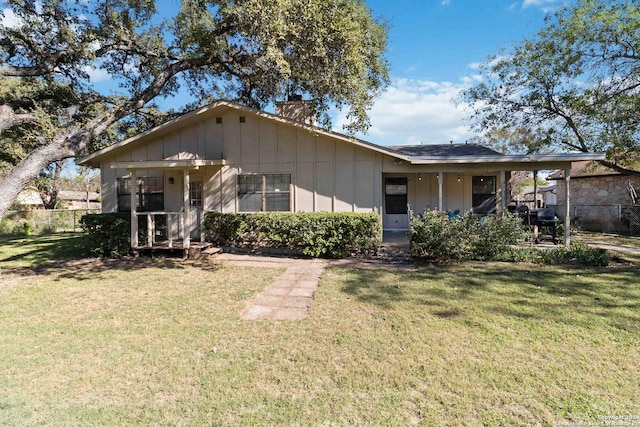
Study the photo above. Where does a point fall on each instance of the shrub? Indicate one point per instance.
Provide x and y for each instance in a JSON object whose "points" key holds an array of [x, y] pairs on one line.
{"points": [[437, 237], [108, 235], [331, 235]]}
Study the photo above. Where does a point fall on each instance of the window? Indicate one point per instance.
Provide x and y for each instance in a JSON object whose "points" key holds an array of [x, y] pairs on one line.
{"points": [[149, 191], [264, 193], [395, 195], [195, 194], [484, 194]]}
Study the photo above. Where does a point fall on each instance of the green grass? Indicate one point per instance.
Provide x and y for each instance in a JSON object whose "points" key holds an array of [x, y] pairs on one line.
{"points": [[161, 342]]}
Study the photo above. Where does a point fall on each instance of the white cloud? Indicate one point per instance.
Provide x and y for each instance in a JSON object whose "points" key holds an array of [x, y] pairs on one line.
{"points": [[96, 74], [9, 19], [545, 5], [445, 2], [418, 111]]}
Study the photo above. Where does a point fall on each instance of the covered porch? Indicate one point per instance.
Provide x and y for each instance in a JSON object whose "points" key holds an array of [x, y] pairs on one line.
{"points": [[465, 184], [179, 227]]}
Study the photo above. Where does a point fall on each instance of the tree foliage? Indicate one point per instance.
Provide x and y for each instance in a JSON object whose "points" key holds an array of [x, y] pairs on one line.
{"points": [[250, 51], [574, 85]]}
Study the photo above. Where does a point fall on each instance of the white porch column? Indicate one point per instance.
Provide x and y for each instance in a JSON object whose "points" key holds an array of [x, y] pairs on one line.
{"points": [[134, 216], [186, 209], [503, 191], [440, 187], [567, 217], [535, 201]]}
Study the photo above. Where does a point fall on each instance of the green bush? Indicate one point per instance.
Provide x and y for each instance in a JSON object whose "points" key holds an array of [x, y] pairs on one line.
{"points": [[576, 254], [437, 237], [330, 235], [107, 235]]}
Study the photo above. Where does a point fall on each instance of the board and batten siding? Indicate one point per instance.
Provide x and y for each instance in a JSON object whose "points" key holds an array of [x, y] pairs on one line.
{"points": [[327, 174]]}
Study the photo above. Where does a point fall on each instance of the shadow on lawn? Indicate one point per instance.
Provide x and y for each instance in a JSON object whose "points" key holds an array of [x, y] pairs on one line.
{"points": [[567, 294], [67, 256]]}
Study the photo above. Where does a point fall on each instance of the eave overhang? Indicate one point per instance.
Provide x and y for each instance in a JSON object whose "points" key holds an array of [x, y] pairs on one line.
{"points": [[168, 164]]}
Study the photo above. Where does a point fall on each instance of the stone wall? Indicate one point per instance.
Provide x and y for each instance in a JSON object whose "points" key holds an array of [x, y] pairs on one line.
{"points": [[595, 201]]}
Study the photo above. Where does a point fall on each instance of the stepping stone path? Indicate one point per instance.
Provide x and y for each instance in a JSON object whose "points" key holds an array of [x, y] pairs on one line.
{"points": [[290, 296]]}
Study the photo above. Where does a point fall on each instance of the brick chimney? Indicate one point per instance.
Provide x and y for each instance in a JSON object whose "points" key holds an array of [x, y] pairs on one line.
{"points": [[298, 110]]}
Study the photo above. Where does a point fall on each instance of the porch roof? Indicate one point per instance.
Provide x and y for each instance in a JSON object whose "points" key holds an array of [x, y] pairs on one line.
{"points": [[525, 162], [168, 164]]}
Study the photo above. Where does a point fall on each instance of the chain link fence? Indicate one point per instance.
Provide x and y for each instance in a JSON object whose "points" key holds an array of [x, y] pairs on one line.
{"points": [[619, 219], [43, 220]]}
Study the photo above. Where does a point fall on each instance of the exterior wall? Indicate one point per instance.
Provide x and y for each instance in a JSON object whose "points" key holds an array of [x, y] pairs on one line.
{"points": [[327, 174], [595, 201]]}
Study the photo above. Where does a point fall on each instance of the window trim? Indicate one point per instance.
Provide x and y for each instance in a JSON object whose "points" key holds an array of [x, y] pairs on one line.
{"points": [[396, 187], [488, 210], [264, 193], [142, 197]]}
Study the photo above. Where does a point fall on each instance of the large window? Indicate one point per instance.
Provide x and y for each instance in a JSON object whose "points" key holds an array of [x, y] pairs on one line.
{"points": [[264, 193], [149, 194], [484, 194], [395, 195]]}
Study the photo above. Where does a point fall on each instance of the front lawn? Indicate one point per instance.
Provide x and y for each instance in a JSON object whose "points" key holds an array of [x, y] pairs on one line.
{"points": [[161, 341]]}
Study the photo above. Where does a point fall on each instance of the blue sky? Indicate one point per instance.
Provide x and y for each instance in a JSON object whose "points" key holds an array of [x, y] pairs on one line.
{"points": [[434, 47]]}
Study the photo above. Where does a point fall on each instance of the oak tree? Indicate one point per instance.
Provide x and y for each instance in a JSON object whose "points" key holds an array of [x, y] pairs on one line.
{"points": [[250, 51], [574, 85]]}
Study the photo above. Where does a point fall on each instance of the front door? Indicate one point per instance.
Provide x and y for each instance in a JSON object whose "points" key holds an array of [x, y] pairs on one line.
{"points": [[396, 215], [195, 204]]}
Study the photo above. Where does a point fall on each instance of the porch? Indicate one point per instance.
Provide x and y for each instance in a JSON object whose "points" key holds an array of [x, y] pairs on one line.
{"points": [[162, 231]]}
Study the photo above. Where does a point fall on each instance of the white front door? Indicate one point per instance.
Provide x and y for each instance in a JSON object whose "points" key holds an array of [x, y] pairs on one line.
{"points": [[195, 204]]}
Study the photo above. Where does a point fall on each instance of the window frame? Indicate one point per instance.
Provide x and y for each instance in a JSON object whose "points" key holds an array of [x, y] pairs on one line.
{"points": [[249, 185], [147, 200], [396, 195], [479, 199]]}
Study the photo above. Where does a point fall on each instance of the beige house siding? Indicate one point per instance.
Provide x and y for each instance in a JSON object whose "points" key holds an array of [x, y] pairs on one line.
{"points": [[327, 174]]}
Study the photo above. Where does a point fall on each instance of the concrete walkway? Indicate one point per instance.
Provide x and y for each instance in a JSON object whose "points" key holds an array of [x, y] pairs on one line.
{"points": [[290, 296]]}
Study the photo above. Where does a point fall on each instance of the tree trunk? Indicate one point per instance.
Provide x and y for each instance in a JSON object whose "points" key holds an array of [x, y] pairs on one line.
{"points": [[13, 182]]}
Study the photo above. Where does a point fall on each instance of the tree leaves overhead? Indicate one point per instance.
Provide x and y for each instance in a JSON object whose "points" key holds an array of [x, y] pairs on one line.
{"points": [[251, 51], [575, 84]]}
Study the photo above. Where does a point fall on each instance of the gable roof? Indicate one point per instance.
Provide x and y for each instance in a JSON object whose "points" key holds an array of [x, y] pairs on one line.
{"points": [[415, 155], [210, 111]]}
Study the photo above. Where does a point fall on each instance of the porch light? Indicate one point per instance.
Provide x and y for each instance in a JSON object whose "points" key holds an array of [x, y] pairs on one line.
{"points": [[419, 177], [171, 180], [458, 178]]}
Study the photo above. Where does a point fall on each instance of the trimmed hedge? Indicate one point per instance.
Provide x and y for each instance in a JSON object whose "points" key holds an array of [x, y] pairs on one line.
{"points": [[329, 235], [107, 234]]}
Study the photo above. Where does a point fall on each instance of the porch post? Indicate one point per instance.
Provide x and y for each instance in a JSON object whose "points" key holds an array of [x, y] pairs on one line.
{"points": [[567, 217], [535, 201], [440, 186], [186, 209], [503, 191], [134, 216]]}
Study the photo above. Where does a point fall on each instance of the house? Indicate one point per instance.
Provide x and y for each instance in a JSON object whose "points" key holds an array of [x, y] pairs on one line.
{"points": [[544, 197], [29, 199], [230, 158], [600, 197], [72, 199]]}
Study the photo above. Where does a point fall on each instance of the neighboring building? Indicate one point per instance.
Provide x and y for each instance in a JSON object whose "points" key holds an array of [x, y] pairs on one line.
{"points": [[29, 199], [71, 199], [599, 196], [545, 197], [229, 158]]}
